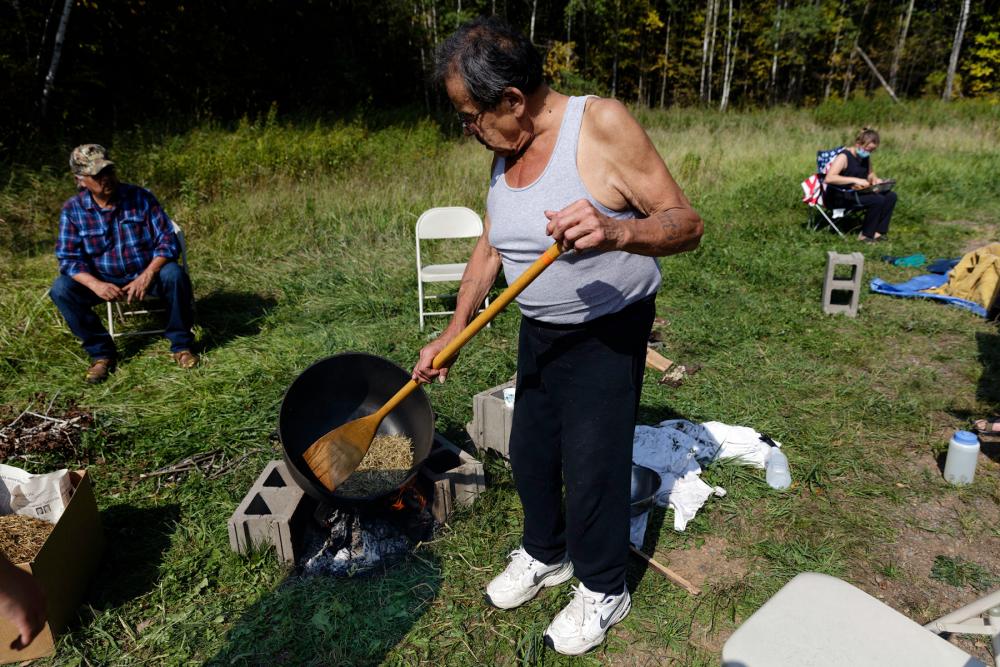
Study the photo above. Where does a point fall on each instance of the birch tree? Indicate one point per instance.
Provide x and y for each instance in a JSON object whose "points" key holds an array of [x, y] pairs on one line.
{"points": [[732, 46], [707, 49], [897, 53], [57, 48], [956, 47], [666, 62], [711, 50], [534, 11], [839, 20], [773, 83], [849, 74]]}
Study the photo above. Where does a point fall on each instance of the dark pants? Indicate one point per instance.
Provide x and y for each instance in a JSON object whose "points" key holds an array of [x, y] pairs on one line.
{"points": [[76, 303], [878, 209], [574, 420]]}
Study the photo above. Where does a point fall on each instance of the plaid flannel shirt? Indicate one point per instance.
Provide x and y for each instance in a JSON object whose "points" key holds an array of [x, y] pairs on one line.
{"points": [[118, 242]]}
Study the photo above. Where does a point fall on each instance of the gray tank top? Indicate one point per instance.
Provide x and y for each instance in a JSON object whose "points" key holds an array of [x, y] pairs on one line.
{"points": [[576, 287]]}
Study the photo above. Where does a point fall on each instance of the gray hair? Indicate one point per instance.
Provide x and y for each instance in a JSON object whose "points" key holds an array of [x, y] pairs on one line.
{"points": [[489, 55]]}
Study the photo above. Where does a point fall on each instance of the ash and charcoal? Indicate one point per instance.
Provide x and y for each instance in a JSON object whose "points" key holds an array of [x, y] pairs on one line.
{"points": [[348, 542]]}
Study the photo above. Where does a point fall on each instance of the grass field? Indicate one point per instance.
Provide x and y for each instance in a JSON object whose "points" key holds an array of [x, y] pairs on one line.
{"points": [[301, 245]]}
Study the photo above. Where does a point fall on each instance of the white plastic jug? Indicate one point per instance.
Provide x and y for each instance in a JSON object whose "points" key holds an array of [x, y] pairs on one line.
{"points": [[963, 453]]}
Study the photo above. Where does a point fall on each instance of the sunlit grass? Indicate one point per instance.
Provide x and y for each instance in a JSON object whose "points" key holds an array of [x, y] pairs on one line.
{"points": [[296, 255]]}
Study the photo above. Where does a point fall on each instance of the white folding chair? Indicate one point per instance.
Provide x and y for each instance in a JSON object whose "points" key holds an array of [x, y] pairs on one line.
{"points": [[123, 312], [817, 620], [444, 222]]}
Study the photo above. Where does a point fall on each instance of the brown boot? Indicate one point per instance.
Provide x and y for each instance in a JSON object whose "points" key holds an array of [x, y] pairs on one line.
{"points": [[99, 370], [186, 359]]}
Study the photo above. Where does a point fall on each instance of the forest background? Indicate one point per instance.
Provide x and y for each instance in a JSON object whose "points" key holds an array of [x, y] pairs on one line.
{"points": [[87, 69], [297, 142]]}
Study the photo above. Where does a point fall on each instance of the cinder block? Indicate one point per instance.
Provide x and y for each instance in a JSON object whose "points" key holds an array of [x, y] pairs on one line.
{"points": [[851, 286], [275, 511], [491, 420], [272, 513], [457, 477]]}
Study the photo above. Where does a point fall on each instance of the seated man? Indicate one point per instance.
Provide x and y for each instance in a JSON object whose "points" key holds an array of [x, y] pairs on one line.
{"points": [[116, 243]]}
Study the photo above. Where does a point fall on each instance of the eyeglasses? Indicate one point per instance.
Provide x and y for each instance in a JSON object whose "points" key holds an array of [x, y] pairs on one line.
{"points": [[467, 120]]}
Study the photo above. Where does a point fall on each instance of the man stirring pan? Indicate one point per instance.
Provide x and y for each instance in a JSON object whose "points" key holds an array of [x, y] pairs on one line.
{"points": [[579, 171]]}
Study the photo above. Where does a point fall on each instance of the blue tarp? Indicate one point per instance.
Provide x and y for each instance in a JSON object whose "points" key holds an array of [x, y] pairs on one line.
{"points": [[913, 287]]}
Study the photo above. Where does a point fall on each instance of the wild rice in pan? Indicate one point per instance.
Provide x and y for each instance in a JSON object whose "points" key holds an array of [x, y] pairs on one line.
{"points": [[384, 467]]}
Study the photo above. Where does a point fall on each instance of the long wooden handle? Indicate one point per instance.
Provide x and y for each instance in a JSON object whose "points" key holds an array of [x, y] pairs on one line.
{"points": [[476, 325], [501, 302], [667, 572]]}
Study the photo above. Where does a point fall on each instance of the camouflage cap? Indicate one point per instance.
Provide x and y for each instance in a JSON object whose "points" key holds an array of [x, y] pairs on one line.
{"points": [[89, 160]]}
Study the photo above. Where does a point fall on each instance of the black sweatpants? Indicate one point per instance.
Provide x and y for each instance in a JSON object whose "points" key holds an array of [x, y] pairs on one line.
{"points": [[574, 419], [878, 209]]}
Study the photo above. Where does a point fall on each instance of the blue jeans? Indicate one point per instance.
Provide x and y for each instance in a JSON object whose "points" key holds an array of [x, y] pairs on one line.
{"points": [[76, 303]]}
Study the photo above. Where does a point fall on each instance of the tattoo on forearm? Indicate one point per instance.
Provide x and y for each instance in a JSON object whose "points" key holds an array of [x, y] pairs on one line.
{"points": [[672, 225]]}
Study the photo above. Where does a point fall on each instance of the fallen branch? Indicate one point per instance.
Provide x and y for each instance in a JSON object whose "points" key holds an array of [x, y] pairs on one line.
{"points": [[212, 465], [55, 420], [878, 75]]}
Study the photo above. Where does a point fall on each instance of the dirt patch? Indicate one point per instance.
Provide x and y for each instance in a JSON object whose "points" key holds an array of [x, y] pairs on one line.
{"points": [[29, 431], [707, 563], [640, 654], [948, 526], [985, 234], [708, 567]]}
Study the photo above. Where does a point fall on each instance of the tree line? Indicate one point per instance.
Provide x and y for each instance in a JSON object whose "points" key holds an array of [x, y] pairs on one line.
{"points": [[74, 66]]}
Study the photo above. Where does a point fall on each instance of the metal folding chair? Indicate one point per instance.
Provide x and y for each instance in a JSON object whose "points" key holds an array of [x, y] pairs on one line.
{"points": [[124, 312], [813, 189], [444, 222]]}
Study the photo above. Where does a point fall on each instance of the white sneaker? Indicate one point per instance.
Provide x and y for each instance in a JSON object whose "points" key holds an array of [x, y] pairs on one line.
{"points": [[583, 623], [523, 578]]}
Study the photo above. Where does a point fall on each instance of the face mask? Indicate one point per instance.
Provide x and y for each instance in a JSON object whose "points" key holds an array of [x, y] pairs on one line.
{"points": [[862, 153]]}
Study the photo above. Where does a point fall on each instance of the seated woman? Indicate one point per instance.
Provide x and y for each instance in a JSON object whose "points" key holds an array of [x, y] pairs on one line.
{"points": [[851, 171]]}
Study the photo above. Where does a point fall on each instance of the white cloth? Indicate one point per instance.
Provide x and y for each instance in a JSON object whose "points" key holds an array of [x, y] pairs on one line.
{"points": [[675, 449]]}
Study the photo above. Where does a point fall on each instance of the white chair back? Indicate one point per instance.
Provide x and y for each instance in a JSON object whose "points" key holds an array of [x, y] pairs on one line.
{"points": [[443, 222], [182, 243], [449, 222]]}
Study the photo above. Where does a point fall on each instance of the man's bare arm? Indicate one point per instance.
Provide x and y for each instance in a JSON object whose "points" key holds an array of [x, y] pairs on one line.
{"points": [[622, 169], [479, 276]]}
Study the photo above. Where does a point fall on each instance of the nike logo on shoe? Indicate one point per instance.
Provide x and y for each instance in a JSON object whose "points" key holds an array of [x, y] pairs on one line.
{"points": [[607, 619], [539, 577]]}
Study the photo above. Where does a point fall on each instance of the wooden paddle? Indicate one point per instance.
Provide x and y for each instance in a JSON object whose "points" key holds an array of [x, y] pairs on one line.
{"points": [[334, 456]]}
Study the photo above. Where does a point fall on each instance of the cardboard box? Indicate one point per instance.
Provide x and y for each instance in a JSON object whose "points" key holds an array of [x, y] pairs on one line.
{"points": [[63, 568]]}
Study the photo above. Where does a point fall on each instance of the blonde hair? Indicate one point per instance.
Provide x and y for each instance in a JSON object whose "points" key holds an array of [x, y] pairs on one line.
{"points": [[866, 135]]}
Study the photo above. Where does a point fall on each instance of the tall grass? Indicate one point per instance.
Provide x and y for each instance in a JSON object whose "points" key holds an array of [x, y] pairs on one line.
{"points": [[313, 255]]}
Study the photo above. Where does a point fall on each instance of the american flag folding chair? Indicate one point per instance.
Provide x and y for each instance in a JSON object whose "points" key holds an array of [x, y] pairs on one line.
{"points": [[813, 189]]}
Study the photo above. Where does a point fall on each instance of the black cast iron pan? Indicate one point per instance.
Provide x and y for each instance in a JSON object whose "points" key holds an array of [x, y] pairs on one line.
{"points": [[338, 389]]}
